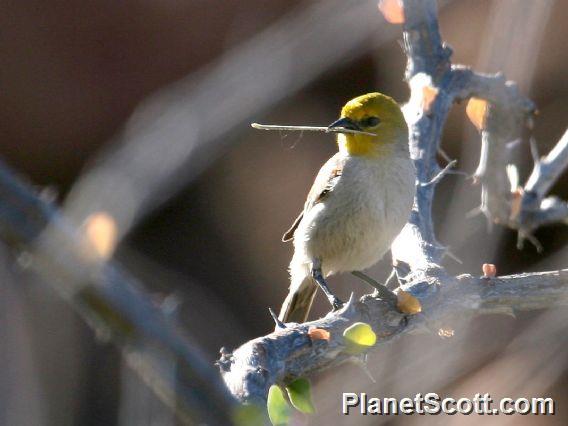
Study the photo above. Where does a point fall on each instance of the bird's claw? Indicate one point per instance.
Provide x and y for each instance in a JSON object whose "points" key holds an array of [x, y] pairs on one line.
{"points": [[336, 303]]}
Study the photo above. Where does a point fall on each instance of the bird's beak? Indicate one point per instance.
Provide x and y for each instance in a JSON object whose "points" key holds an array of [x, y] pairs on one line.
{"points": [[343, 123]]}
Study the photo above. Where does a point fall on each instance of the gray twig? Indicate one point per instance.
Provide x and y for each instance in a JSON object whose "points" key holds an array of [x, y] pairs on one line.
{"points": [[535, 208]]}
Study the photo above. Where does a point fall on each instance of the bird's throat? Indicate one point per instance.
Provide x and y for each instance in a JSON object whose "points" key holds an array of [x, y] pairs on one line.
{"points": [[363, 146]]}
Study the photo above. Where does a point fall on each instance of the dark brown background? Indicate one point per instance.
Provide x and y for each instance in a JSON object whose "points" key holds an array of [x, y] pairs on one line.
{"points": [[71, 73]]}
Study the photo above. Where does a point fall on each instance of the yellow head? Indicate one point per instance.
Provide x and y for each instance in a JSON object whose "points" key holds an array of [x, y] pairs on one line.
{"points": [[373, 113]]}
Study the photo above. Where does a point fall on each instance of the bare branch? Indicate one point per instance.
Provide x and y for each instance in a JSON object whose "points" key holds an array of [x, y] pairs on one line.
{"points": [[549, 169], [289, 353], [503, 200], [535, 209]]}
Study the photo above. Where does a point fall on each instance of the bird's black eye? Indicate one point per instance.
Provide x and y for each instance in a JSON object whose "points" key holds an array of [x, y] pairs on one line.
{"points": [[370, 121]]}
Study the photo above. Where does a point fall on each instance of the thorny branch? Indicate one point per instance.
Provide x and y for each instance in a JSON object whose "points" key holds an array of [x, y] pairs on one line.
{"points": [[536, 209], [503, 200], [435, 85]]}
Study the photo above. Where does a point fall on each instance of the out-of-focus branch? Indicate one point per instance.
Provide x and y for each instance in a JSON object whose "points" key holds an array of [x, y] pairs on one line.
{"points": [[536, 209], [112, 302], [503, 200], [435, 85], [176, 133], [502, 125], [548, 169], [504, 121]]}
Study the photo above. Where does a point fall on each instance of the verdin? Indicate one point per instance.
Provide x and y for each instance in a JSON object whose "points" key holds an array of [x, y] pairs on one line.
{"points": [[358, 204]]}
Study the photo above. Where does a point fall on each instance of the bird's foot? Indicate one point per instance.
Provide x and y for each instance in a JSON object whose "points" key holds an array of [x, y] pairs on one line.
{"points": [[336, 303]]}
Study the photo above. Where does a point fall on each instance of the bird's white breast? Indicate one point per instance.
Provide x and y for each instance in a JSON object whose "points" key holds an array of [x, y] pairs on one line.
{"points": [[355, 224]]}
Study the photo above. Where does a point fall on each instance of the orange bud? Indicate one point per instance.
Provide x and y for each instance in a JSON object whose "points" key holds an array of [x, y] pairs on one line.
{"points": [[489, 270], [407, 303], [516, 203], [476, 111], [318, 334], [429, 95], [392, 10]]}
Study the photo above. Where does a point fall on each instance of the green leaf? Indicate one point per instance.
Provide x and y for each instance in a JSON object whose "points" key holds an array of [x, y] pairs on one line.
{"points": [[359, 337], [299, 392], [249, 415], [278, 407]]}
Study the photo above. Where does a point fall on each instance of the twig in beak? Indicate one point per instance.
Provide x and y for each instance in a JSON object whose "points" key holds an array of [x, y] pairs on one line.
{"points": [[309, 128]]}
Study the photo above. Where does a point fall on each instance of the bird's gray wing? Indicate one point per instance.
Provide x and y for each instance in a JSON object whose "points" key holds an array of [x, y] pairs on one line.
{"points": [[324, 183]]}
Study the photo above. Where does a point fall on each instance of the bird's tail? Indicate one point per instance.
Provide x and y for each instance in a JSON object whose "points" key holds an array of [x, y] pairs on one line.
{"points": [[297, 304]]}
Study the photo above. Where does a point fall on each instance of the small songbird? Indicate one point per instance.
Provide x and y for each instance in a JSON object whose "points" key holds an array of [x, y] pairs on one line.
{"points": [[358, 204]]}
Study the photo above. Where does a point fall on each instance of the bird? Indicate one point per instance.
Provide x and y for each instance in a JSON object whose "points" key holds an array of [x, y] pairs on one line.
{"points": [[359, 202]]}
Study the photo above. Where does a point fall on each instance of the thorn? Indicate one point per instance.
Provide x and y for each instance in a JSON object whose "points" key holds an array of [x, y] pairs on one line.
{"points": [[447, 49], [536, 243], [531, 239], [392, 278], [444, 155], [440, 175], [401, 266], [534, 150], [402, 269], [530, 121], [475, 179], [279, 324], [513, 144], [513, 176], [474, 212], [349, 307], [49, 194], [226, 359], [381, 290], [489, 270], [452, 256], [520, 241], [171, 304]]}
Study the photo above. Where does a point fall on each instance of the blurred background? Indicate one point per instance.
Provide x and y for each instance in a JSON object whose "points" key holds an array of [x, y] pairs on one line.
{"points": [[141, 108]]}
